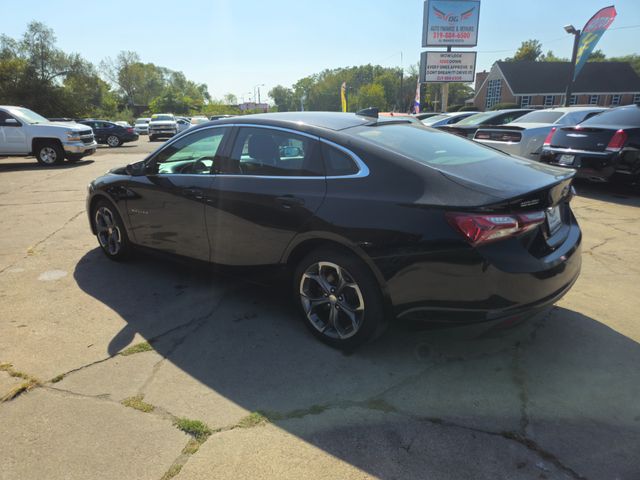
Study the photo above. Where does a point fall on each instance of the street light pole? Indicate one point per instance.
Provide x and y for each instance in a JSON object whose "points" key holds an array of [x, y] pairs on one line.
{"points": [[254, 92], [572, 68]]}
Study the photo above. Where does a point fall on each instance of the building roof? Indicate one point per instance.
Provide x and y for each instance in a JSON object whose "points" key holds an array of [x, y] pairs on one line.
{"points": [[531, 78]]}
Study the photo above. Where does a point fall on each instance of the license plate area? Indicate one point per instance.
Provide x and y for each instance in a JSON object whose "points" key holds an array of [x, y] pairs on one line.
{"points": [[566, 159], [554, 220]]}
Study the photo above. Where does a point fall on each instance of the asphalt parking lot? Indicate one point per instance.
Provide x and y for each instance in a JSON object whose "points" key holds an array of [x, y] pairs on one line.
{"points": [[154, 368]]}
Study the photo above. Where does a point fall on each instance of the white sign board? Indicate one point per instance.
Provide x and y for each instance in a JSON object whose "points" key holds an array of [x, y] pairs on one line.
{"points": [[444, 67], [450, 23]]}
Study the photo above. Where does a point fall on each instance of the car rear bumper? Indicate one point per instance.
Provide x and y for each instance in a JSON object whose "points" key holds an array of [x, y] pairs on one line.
{"points": [[163, 133], [599, 166], [488, 283]]}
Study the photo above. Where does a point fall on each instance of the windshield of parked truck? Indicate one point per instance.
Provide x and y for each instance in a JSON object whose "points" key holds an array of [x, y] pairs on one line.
{"points": [[142, 121], [27, 116], [162, 118]]}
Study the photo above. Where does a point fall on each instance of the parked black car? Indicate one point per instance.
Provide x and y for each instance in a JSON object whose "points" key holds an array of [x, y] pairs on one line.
{"points": [[601, 148], [374, 218], [467, 127], [110, 133]]}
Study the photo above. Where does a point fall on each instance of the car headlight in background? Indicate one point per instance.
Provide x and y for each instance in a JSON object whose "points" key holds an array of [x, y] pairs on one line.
{"points": [[73, 136]]}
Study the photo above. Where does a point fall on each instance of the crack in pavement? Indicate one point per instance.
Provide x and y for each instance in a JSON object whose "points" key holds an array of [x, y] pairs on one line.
{"points": [[37, 244]]}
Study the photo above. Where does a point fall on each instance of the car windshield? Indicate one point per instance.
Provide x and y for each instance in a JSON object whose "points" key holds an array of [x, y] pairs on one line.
{"points": [[540, 116], [477, 118], [157, 118], [142, 121], [432, 120], [27, 116], [623, 117], [436, 149]]}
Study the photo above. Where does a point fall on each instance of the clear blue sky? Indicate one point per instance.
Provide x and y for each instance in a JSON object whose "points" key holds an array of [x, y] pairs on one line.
{"points": [[233, 45]]}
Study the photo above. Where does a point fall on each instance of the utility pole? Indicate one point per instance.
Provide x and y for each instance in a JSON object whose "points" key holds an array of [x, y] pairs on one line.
{"points": [[400, 106]]}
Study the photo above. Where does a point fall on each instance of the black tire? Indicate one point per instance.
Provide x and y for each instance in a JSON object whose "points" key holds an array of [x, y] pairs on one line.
{"points": [[106, 231], [114, 141], [49, 153], [370, 320], [152, 138]]}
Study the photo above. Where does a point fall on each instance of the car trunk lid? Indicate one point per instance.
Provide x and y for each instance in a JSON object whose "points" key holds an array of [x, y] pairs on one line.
{"points": [[590, 138]]}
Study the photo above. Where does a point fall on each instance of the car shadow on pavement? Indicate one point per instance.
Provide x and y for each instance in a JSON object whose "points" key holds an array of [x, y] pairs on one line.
{"points": [[620, 193], [555, 395], [34, 165]]}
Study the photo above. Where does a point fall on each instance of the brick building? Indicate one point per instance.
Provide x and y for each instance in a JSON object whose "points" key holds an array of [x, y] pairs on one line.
{"points": [[543, 84]]}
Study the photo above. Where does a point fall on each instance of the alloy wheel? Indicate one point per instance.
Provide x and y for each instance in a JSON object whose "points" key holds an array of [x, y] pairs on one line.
{"points": [[108, 232], [113, 141], [48, 155], [332, 300]]}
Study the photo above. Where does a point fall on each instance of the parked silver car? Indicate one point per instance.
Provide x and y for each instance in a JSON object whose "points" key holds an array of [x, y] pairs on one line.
{"points": [[446, 118], [141, 126], [525, 136]]}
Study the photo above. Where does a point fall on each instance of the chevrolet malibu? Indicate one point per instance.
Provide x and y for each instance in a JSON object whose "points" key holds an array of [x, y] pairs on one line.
{"points": [[374, 218]]}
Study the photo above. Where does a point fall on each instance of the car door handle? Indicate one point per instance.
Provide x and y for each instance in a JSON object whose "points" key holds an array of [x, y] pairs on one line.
{"points": [[289, 201], [193, 192]]}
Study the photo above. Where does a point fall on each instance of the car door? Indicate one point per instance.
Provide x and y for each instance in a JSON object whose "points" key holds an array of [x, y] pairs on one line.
{"points": [[266, 188], [13, 135], [166, 205]]}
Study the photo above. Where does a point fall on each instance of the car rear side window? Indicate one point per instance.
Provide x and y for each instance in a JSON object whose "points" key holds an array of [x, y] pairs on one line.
{"points": [[270, 152], [337, 163]]}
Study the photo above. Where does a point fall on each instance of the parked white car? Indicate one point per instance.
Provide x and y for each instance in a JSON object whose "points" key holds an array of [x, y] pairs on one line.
{"points": [[141, 126], [198, 119], [24, 132], [525, 136], [162, 125], [183, 123]]}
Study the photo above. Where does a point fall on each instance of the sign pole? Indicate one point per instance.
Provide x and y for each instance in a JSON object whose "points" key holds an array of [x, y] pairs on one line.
{"points": [[572, 69]]}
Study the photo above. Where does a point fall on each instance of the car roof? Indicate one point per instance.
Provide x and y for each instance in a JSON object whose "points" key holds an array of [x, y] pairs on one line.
{"points": [[570, 109], [327, 120]]}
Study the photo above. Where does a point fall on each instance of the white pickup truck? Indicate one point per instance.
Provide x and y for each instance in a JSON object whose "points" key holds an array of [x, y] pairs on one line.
{"points": [[23, 132]]}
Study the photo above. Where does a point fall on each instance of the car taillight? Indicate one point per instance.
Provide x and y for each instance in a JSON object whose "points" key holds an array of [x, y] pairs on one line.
{"points": [[481, 229], [617, 141], [482, 135], [511, 137], [130, 130], [547, 141]]}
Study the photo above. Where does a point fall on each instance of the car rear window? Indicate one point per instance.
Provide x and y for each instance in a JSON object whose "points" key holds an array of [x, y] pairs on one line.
{"points": [[540, 117], [624, 117], [477, 118], [425, 146], [337, 163]]}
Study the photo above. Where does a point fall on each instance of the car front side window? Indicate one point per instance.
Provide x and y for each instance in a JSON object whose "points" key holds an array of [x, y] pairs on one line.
{"points": [[270, 152], [191, 155]]}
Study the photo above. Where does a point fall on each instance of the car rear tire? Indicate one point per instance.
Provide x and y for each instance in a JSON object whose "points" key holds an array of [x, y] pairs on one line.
{"points": [[110, 231], [114, 141], [49, 153], [339, 297], [151, 138]]}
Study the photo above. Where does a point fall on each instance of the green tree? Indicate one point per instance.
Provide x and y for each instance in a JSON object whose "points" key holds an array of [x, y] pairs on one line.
{"points": [[530, 50], [230, 99], [550, 57], [372, 95], [282, 97], [597, 56]]}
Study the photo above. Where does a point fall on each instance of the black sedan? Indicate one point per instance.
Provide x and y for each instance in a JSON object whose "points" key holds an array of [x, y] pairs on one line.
{"points": [[601, 148], [110, 133], [468, 126], [374, 218]]}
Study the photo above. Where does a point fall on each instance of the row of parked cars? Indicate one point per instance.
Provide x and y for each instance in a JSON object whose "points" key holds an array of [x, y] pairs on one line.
{"points": [[163, 125], [600, 143]]}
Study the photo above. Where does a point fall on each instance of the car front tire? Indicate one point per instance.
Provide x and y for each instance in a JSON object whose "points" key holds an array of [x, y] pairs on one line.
{"points": [[49, 153], [110, 231], [339, 297], [114, 141]]}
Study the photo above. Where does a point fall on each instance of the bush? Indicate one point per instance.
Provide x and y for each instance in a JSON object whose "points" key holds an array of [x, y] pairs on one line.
{"points": [[503, 106], [454, 108], [468, 108]]}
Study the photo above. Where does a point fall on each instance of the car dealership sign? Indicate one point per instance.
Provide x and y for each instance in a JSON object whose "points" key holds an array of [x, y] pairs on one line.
{"points": [[447, 67], [450, 23]]}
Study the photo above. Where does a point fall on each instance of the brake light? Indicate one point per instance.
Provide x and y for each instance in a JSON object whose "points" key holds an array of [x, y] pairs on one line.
{"points": [[547, 141], [482, 135], [481, 229], [617, 141], [130, 130]]}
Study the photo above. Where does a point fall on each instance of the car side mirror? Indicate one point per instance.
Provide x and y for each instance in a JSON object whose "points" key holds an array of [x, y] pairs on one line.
{"points": [[12, 122], [136, 169]]}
